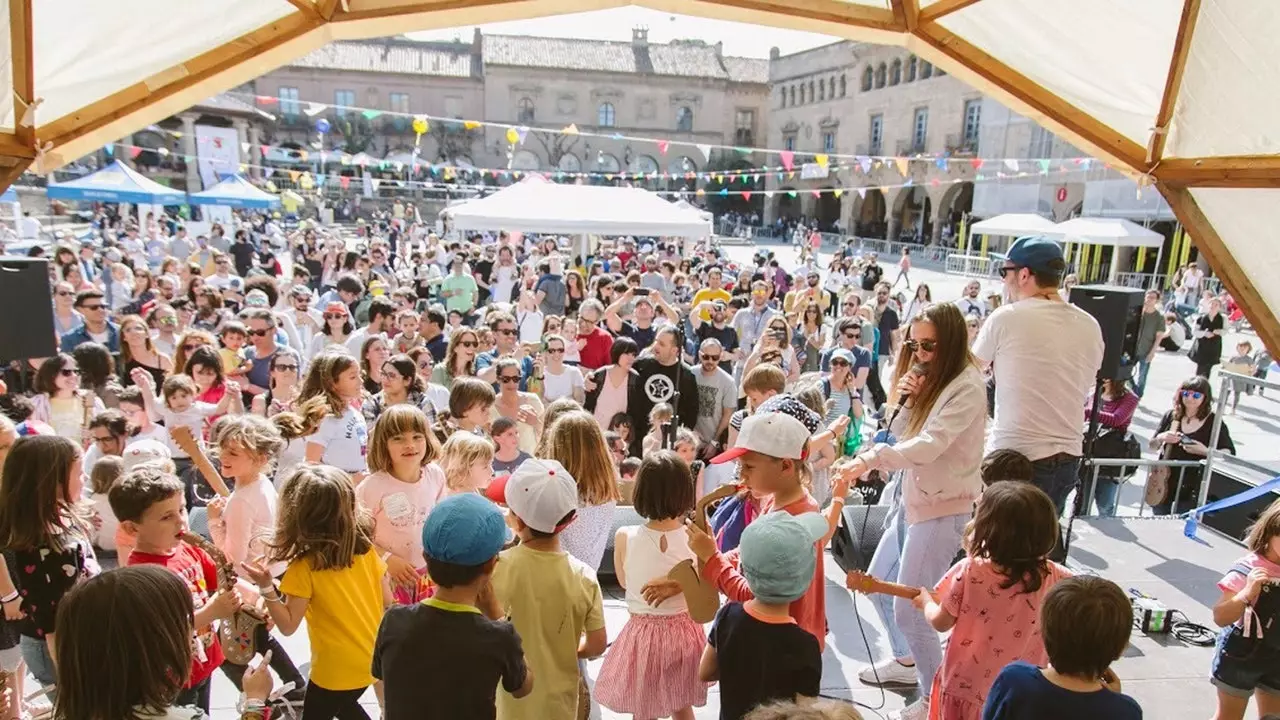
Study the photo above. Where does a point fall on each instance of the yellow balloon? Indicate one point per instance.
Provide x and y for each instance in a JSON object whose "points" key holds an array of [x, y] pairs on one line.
{"points": [[420, 125], [513, 137]]}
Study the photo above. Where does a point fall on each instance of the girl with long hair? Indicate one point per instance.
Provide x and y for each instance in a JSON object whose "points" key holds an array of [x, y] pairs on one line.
{"points": [[204, 366], [401, 384], [938, 413], [1184, 433], [459, 359], [576, 442], [59, 402], [523, 407], [284, 386], [335, 580], [374, 351], [336, 330], [137, 351], [190, 341], [575, 292], [919, 303], [467, 462], [98, 372], [327, 406], [809, 337]]}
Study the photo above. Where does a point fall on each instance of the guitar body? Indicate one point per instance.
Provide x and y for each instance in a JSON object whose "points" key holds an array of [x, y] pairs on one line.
{"points": [[866, 584], [238, 634], [701, 597]]}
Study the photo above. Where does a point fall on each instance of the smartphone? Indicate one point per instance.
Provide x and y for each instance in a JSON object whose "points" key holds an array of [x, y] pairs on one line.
{"points": [[640, 292]]}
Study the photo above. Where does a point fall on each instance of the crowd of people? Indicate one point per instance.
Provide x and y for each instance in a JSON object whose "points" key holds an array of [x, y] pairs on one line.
{"points": [[425, 447]]}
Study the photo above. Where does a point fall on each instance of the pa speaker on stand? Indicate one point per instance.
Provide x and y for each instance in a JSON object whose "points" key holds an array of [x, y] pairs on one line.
{"points": [[26, 310], [1118, 311]]}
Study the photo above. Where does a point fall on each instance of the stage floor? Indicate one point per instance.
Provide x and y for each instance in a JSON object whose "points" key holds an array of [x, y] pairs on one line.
{"points": [[1169, 678]]}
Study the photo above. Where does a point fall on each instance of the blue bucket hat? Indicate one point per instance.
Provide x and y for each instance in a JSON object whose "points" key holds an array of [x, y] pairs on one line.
{"points": [[778, 555], [464, 530]]}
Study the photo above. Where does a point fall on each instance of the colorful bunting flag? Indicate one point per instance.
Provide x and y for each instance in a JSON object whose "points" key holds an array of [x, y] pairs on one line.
{"points": [[662, 146], [821, 159], [788, 159]]}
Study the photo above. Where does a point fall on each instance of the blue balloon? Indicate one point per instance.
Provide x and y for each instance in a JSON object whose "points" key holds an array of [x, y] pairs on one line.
{"points": [[322, 126]]}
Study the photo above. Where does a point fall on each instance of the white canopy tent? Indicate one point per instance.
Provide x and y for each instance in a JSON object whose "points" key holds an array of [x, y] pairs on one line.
{"points": [[537, 205], [1014, 224], [1116, 232]]}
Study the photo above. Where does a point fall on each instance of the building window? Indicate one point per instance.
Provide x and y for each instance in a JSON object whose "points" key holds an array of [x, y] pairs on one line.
{"points": [[926, 70], [524, 112], [868, 77], [895, 72], [828, 142], [399, 102], [289, 105], [844, 86], [605, 116], [877, 134], [345, 100], [812, 95], [831, 87], [783, 93], [744, 127], [972, 120], [822, 91], [920, 129], [881, 71], [1041, 143], [789, 142], [793, 95], [684, 119], [912, 63]]}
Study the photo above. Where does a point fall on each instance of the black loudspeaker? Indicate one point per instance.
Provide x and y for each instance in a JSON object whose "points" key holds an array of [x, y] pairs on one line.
{"points": [[26, 309], [857, 536], [1118, 311]]}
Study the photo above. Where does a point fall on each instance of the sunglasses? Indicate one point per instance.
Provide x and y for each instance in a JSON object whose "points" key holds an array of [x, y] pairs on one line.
{"points": [[710, 358], [845, 305], [261, 333], [1193, 394], [1008, 269], [192, 347], [925, 345], [555, 351], [468, 343], [334, 316], [504, 379], [840, 363], [69, 372], [853, 336], [93, 307], [425, 364], [64, 293], [102, 439], [507, 331], [285, 368]]}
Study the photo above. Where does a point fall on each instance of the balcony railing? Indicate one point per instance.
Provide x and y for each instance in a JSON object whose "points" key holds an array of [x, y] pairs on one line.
{"points": [[962, 145], [910, 147]]}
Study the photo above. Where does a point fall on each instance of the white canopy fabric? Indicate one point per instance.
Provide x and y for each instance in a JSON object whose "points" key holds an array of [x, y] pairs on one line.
{"points": [[1014, 224], [1170, 90], [537, 205], [1117, 232]]}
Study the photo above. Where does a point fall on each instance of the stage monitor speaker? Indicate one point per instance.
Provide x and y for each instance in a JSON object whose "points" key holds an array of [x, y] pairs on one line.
{"points": [[1118, 311], [26, 310], [857, 536]]}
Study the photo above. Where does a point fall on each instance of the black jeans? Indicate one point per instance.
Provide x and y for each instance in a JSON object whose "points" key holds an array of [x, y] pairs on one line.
{"points": [[878, 395], [322, 704], [280, 662], [197, 696], [1056, 475]]}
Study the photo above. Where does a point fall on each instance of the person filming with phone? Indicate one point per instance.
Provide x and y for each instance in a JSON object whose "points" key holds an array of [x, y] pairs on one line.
{"points": [[1183, 434], [645, 307]]}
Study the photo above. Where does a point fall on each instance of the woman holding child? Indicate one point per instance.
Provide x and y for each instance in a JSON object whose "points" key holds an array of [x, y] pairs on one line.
{"points": [[937, 413]]}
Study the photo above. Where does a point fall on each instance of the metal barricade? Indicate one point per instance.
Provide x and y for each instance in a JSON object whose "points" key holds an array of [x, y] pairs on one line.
{"points": [[969, 265], [1146, 281], [1128, 468]]}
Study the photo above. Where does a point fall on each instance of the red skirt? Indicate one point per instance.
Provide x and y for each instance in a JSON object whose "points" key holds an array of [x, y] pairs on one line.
{"points": [[651, 670]]}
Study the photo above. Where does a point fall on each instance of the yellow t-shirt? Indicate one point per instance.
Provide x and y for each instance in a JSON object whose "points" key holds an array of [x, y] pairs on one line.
{"points": [[342, 618], [552, 599], [231, 360], [709, 295]]}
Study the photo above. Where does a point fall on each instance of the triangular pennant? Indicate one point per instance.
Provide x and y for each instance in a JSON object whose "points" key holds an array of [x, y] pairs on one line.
{"points": [[976, 163], [470, 124], [821, 159], [265, 149], [371, 114], [294, 175], [941, 163], [266, 100], [724, 191], [904, 166], [746, 195], [838, 192], [313, 109], [244, 148], [1011, 164], [571, 130], [865, 164], [376, 183], [791, 175], [134, 152], [1044, 166], [768, 193], [908, 183], [788, 159], [521, 132], [705, 150], [817, 193], [862, 193], [662, 146]]}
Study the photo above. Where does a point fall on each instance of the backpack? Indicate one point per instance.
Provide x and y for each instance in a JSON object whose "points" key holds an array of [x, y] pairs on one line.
{"points": [[730, 518]]}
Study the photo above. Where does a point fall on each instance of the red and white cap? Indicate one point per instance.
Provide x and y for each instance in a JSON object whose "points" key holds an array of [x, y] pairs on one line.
{"points": [[775, 434], [540, 492]]}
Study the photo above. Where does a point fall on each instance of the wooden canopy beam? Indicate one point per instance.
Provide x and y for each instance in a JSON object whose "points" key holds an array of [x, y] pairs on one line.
{"points": [[307, 7], [1000, 76], [906, 13], [1209, 242], [1243, 171], [326, 8], [11, 145], [24, 74], [943, 8], [1173, 82]]}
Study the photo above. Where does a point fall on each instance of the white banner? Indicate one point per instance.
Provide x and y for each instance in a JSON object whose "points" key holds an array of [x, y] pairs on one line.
{"points": [[217, 153], [813, 171]]}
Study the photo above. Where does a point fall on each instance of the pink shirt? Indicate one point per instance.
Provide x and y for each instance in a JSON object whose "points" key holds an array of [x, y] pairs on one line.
{"points": [[400, 510], [994, 627], [1234, 581], [248, 522]]}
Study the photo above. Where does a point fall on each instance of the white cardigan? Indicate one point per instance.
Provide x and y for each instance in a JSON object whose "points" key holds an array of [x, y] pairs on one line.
{"points": [[943, 461]]}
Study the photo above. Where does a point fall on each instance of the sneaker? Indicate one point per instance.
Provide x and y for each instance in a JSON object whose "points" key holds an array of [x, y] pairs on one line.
{"points": [[889, 673], [918, 710]]}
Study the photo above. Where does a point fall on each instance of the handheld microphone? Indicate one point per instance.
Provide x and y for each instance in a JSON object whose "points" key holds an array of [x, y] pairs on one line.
{"points": [[918, 369]]}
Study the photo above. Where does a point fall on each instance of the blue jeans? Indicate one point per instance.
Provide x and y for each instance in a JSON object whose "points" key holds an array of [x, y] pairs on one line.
{"points": [[1056, 475], [916, 555], [1107, 495], [36, 654], [1140, 382]]}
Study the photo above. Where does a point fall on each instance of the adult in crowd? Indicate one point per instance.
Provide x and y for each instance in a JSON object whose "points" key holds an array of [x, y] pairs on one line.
{"points": [[59, 401], [1185, 433], [1151, 331], [382, 316], [713, 291], [401, 385], [108, 435], [594, 343], [65, 316], [717, 398], [645, 306], [460, 360], [1206, 350], [717, 330], [938, 415], [971, 302], [459, 289], [506, 345], [662, 377], [1115, 413], [750, 322], [98, 373], [558, 379], [848, 336], [261, 326], [163, 322], [809, 337], [97, 327], [842, 387], [283, 387], [523, 407], [137, 351], [1045, 355], [528, 318], [609, 389], [336, 330], [921, 300], [373, 353]]}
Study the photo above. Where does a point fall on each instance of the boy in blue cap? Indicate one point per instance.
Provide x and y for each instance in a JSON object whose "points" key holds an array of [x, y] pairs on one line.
{"points": [[755, 649], [442, 658]]}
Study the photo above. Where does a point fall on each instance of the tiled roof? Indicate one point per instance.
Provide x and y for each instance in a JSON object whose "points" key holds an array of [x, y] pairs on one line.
{"points": [[678, 59], [411, 58], [227, 103]]}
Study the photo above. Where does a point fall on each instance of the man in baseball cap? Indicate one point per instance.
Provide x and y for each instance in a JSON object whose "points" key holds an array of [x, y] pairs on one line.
{"points": [[469, 654]]}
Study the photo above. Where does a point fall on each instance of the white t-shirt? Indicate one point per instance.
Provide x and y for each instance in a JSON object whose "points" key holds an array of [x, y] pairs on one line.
{"points": [[346, 441], [529, 323], [192, 418], [1046, 356], [562, 385]]}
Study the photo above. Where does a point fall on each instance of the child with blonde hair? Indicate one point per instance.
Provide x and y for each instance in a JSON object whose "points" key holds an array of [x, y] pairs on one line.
{"points": [[403, 486], [105, 473], [660, 414], [329, 406], [335, 580], [576, 442], [467, 462]]}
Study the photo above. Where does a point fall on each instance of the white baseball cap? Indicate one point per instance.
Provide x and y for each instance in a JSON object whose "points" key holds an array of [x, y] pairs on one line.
{"points": [[775, 434], [540, 492], [144, 452]]}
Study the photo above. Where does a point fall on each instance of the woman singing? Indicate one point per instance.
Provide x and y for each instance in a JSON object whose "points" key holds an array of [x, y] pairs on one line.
{"points": [[940, 402]]}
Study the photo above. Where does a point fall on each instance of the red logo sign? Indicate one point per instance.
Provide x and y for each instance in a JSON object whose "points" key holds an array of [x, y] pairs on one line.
{"points": [[1062, 194]]}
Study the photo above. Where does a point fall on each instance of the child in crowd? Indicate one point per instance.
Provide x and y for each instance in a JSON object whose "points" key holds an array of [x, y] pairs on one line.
{"points": [[627, 471], [329, 404], [134, 408], [467, 462], [651, 671], [508, 455], [815, 710], [621, 424], [755, 648], [1245, 659], [1006, 575], [470, 653], [232, 336], [770, 449], [144, 452], [151, 625], [1001, 465], [1242, 362], [408, 339], [759, 384], [470, 400], [1085, 623], [205, 367], [150, 506], [576, 442], [335, 580], [660, 414], [104, 475], [46, 542], [686, 446], [178, 407], [403, 486], [553, 600]]}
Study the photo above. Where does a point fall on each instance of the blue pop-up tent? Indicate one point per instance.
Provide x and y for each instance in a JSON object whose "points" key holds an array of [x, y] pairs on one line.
{"points": [[117, 182], [235, 191], [9, 195]]}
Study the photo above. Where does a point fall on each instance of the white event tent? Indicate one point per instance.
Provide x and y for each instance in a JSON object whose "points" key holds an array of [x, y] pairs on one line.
{"points": [[1014, 224], [540, 206], [1116, 232]]}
